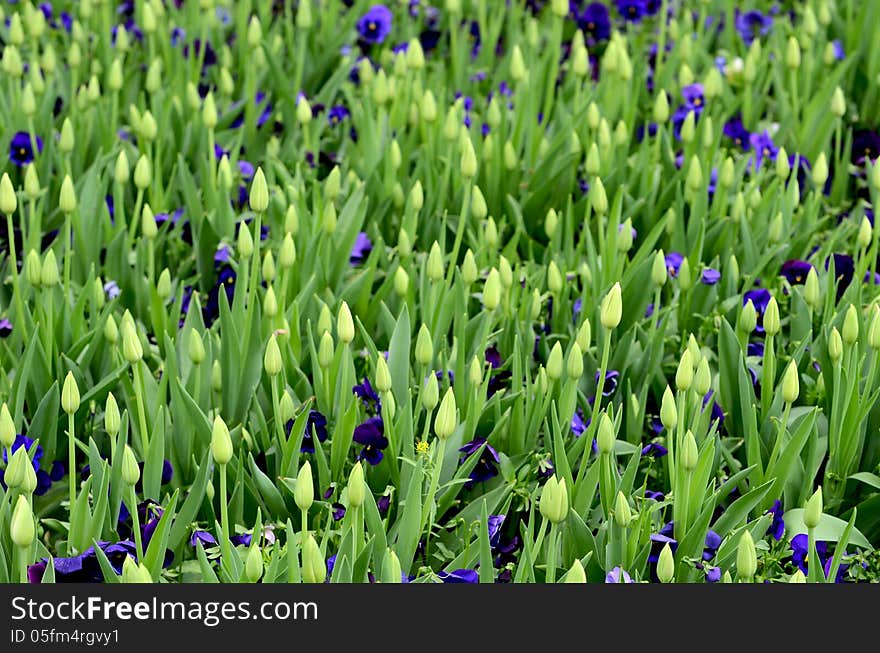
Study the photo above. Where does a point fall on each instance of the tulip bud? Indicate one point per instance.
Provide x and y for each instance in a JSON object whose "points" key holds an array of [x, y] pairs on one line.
{"points": [[612, 308], [424, 346], [793, 53], [666, 565], [110, 331], [813, 510], [598, 198], [253, 562], [216, 376], [622, 512], [21, 528], [811, 289], [575, 363], [771, 317], [356, 486], [838, 102], [446, 421], [221, 443], [874, 328], [314, 568], [131, 472], [259, 195], [7, 427], [605, 435], [17, 468], [797, 577], [576, 574], [748, 318], [304, 489], [70, 395], [554, 500], [431, 393], [325, 350], [492, 290], [835, 345], [684, 375], [790, 384], [468, 160], [554, 362], [746, 557], [132, 349], [554, 278], [702, 378], [668, 410], [850, 331], [111, 416], [435, 263], [865, 233], [142, 173], [383, 375], [820, 170], [345, 324], [272, 362], [690, 454]]}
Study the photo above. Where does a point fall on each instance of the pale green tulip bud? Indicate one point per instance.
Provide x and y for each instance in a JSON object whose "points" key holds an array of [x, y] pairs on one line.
{"points": [[838, 103], [148, 223], [598, 198], [492, 290], [383, 375], [431, 393], [245, 242], [748, 318], [659, 271], [576, 574], [820, 170], [575, 363], [555, 363], [554, 500], [325, 320], [435, 263], [605, 435], [850, 331], [475, 372], [345, 324], [666, 565], [112, 420], [21, 528], [16, 468], [554, 278], [612, 308], [7, 427], [31, 183], [314, 568], [690, 454], [469, 268], [131, 473], [121, 171], [163, 285], [132, 349], [790, 384], [325, 350], [70, 395], [304, 489], [865, 233], [357, 488], [661, 108], [216, 376], [695, 174], [259, 195], [221, 444], [835, 345], [702, 378], [874, 328], [668, 410], [793, 53], [468, 160], [446, 421], [688, 131], [49, 271], [143, 174], [798, 577], [424, 346], [272, 362], [813, 509], [811, 289], [771, 317], [111, 333], [8, 199], [67, 197], [746, 557], [622, 511], [253, 564], [287, 253], [328, 218]]}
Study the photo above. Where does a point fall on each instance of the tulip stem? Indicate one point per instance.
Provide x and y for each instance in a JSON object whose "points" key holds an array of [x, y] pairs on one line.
{"points": [[304, 516], [135, 523], [224, 517], [138, 374], [71, 460], [16, 287], [23, 563], [356, 536], [813, 567], [428, 510], [552, 546]]}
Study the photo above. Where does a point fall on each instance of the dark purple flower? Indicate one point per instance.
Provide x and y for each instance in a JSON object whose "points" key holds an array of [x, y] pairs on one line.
{"points": [[21, 151], [204, 537], [336, 114], [361, 249], [710, 276], [375, 25], [595, 21], [713, 575], [368, 395], [673, 263], [632, 10], [735, 130], [578, 426], [654, 449], [693, 97], [865, 147], [486, 465], [837, 49], [241, 540], [371, 434], [316, 425], [752, 24], [338, 511], [5, 328], [383, 503], [764, 148], [495, 522], [459, 576], [612, 378], [777, 527], [795, 271]]}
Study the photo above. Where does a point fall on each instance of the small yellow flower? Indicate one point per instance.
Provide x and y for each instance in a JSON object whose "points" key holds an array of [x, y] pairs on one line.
{"points": [[422, 446]]}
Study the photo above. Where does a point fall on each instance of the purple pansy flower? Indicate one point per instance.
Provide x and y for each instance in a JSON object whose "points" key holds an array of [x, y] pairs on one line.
{"points": [[375, 25], [21, 150]]}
